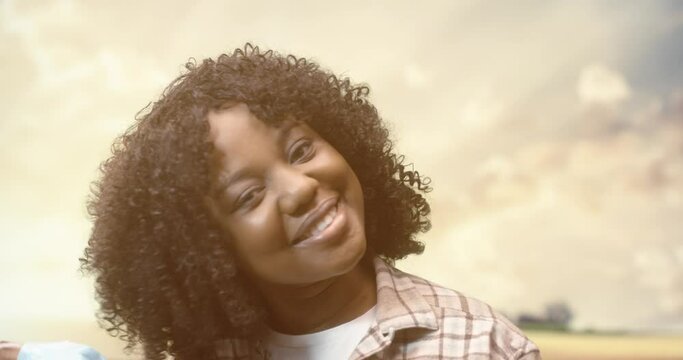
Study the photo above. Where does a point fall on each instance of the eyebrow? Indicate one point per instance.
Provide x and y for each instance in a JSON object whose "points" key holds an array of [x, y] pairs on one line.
{"points": [[225, 181], [284, 130]]}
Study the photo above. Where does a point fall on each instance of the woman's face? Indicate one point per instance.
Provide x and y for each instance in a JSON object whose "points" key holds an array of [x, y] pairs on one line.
{"points": [[291, 204]]}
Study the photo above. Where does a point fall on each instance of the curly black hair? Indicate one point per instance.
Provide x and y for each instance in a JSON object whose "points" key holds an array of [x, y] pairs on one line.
{"points": [[165, 276]]}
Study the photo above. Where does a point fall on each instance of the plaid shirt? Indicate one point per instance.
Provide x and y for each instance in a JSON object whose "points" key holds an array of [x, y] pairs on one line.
{"points": [[417, 319]]}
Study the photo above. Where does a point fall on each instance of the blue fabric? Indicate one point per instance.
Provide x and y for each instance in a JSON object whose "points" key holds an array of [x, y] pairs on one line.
{"points": [[63, 350]]}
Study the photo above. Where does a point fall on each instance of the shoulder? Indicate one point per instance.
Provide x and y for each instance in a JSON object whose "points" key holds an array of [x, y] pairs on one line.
{"points": [[441, 297], [461, 316]]}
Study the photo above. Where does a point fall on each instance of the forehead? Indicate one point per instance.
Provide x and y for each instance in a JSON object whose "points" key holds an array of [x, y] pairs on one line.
{"points": [[234, 125], [240, 138]]}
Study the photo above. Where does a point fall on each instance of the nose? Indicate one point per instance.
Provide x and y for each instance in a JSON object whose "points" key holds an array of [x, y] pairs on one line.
{"points": [[297, 191]]}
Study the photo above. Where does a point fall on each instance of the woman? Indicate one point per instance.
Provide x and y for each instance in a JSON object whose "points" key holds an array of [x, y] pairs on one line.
{"points": [[255, 210]]}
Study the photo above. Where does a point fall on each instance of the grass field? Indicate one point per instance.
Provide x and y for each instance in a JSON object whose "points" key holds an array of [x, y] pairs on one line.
{"points": [[554, 345], [566, 346]]}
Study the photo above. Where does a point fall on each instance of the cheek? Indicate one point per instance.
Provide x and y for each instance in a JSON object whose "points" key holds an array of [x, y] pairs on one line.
{"points": [[352, 182], [346, 178], [254, 233], [356, 192], [339, 170]]}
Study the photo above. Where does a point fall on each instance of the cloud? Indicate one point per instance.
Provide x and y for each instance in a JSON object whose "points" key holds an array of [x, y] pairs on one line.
{"points": [[416, 76], [593, 219], [660, 270], [602, 86], [557, 173]]}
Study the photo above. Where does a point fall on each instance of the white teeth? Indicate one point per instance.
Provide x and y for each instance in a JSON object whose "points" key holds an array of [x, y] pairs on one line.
{"points": [[323, 224]]}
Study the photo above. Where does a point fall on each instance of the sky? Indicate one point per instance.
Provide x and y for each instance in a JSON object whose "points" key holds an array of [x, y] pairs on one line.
{"points": [[552, 133]]}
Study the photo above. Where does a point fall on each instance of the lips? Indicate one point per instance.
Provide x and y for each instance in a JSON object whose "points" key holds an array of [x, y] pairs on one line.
{"points": [[317, 221]]}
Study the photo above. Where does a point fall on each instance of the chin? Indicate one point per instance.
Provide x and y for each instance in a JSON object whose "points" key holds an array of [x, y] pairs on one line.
{"points": [[351, 256]]}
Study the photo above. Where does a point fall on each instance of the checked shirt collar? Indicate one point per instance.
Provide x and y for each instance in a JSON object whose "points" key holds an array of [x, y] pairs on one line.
{"points": [[399, 306]]}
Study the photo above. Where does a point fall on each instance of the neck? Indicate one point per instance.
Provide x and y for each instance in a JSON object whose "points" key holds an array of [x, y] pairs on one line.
{"points": [[322, 305]]}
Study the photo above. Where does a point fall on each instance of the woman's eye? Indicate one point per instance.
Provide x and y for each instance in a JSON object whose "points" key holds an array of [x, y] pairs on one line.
{"points": [[249, 198], [301, 151]]}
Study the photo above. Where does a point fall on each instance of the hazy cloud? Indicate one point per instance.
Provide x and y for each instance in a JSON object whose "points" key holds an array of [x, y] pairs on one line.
{"points": [[554, 141], [599, 85]]}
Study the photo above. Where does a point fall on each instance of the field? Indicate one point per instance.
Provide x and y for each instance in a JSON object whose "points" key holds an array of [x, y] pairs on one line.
{"points": [[566, 346], [554, 345]]}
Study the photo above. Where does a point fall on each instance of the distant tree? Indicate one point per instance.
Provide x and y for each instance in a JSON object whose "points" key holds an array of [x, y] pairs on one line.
{"points": [[558, 313]]}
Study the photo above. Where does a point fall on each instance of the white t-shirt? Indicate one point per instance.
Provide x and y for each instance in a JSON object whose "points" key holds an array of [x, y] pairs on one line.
{"points": [[335, 343]]}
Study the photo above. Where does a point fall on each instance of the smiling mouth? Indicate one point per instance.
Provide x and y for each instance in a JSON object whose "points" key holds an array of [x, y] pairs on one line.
{"points": [[318, 221]]}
